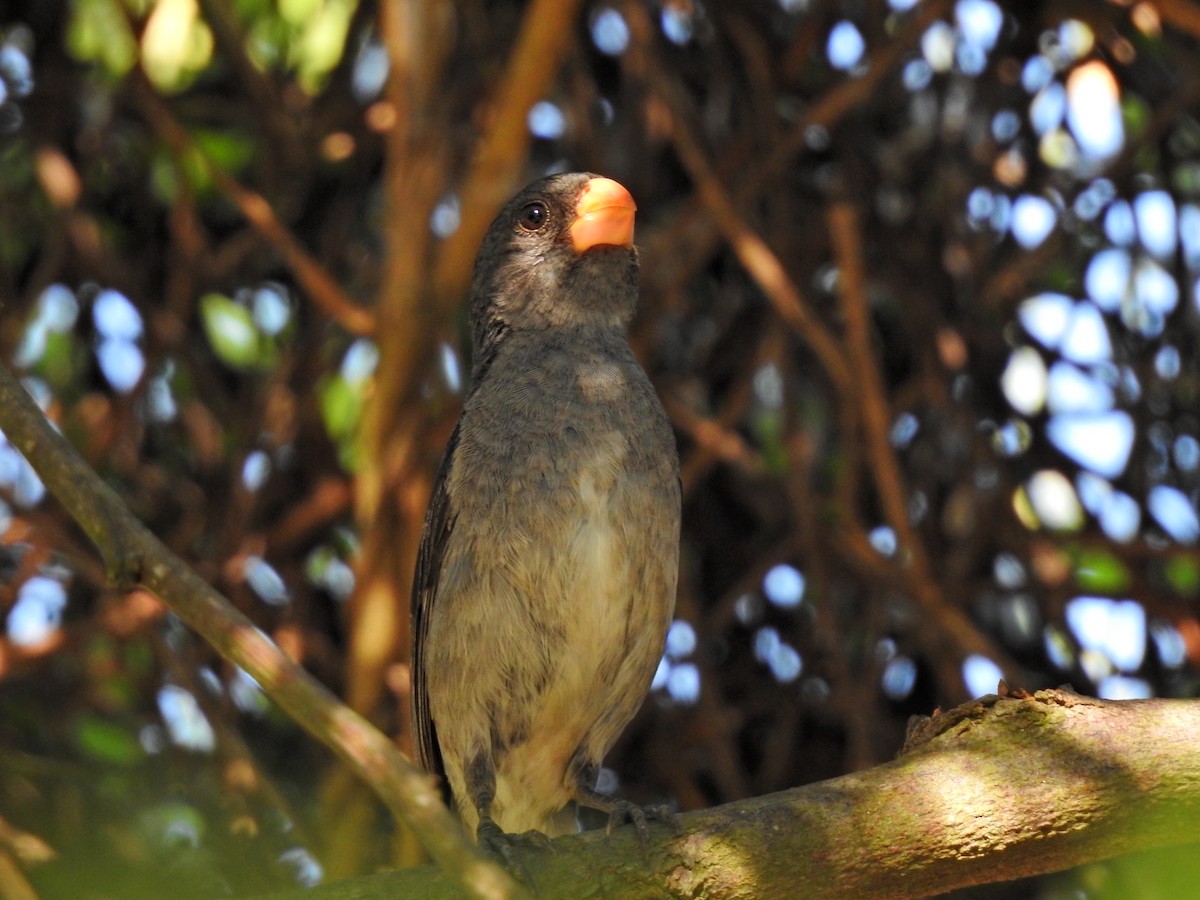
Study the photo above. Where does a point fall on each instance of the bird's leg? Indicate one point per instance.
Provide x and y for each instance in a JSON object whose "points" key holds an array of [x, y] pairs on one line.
{"points": [[481, 788], [619, 811]]}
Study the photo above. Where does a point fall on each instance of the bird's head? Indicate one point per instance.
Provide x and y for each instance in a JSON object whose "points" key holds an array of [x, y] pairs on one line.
{"points": [[560, 254]]}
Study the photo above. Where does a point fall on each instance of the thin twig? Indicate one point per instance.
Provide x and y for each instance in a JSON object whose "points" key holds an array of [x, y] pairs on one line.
{"points": [[758, 259], [13, 883], [826, 112], [391, 490], [714, 440], [875, 417], [838, 102], [312, 277], [533, 63]]}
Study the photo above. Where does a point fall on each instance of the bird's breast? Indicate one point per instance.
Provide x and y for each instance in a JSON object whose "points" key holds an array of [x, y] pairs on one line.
{"points": [[565, 480], [601, 381], [561, 566]]}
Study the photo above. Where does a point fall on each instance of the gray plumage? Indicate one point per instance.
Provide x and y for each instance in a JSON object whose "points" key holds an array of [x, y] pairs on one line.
{"points": [[547, 571]]}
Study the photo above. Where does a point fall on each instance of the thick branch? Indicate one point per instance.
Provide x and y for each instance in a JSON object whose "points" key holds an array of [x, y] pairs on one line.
{"points": [[134, 556], [1004, 788]]}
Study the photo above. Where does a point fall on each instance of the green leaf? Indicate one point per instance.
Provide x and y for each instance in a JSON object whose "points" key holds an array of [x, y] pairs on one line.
{"points": [[228, 150], [341, 408], [63, 359], [768, 428], [321, 41], [99, 32], [1101, 572], [1183, 573], [1135, 113], [107, 742], [231, 331]]}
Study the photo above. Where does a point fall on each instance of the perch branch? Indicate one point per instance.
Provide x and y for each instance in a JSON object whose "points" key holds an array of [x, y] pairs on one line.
{"points": [[997, 789]]}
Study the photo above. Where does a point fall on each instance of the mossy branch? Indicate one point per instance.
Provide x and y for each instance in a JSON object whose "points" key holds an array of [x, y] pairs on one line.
{"points": [[997, 789]]}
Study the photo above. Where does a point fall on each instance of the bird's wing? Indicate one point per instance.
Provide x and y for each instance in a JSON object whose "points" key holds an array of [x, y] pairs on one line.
{"points": [[439, 522]]}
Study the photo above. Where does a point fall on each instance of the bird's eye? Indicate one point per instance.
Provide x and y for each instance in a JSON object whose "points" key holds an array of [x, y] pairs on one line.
{"points": [[533, 216]]}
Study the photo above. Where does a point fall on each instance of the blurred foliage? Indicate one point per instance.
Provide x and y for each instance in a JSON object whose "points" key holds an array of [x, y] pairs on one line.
{"points": [[1027, 506]]}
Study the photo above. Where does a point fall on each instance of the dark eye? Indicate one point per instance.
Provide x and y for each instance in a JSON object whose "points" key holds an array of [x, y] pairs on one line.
{"points": [[533, 216]]}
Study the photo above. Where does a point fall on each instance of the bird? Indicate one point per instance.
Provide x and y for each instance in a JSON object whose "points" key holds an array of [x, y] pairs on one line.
{"points": [[547, 570]]}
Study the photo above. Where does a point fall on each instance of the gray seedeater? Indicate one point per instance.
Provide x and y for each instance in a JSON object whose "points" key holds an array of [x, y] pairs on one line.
{"points": [[547, 570]]}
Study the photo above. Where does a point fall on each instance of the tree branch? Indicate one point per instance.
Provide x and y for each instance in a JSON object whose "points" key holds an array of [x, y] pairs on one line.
{"points": [[134, 556], [545, 35], [313, 277], [875, 420], [758, 259], [1000, 788]]}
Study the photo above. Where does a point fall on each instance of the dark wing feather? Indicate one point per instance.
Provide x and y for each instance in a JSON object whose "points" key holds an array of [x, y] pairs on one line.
{"points": [[439, 522]]}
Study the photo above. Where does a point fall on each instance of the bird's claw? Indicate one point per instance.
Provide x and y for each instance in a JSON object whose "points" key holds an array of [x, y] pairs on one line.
{"points": [[623, 811], [506, 848]]}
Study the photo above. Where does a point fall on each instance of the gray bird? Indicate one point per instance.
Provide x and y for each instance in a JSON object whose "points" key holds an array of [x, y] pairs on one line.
{"points": [[546, 575]]}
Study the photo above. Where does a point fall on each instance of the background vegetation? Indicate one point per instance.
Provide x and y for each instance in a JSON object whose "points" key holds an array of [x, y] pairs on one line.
{"points": [[919, 293]]}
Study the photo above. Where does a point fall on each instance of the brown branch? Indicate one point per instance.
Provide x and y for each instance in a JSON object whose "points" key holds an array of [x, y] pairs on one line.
{"points": [[853, 371], [391, 490], [837, 103], [875, 417], [13, 883], [312, 277], [23, 845], [546, 33], [327, 500], [758, 259], [1007, 788], [715, 441], [134, 556], [419, 37], [826, 112], [1181, 14]]}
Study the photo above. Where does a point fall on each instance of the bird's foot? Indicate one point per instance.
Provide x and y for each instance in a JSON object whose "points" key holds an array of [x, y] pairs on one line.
{"points": [[622, 811], [507, 848]]}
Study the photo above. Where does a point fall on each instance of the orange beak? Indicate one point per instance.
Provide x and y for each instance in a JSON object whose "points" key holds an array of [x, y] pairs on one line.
{"points": [[603, 215]]}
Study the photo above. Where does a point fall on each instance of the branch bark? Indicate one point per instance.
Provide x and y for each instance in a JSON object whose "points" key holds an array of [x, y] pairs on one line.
{"points": [[996, 789]]}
